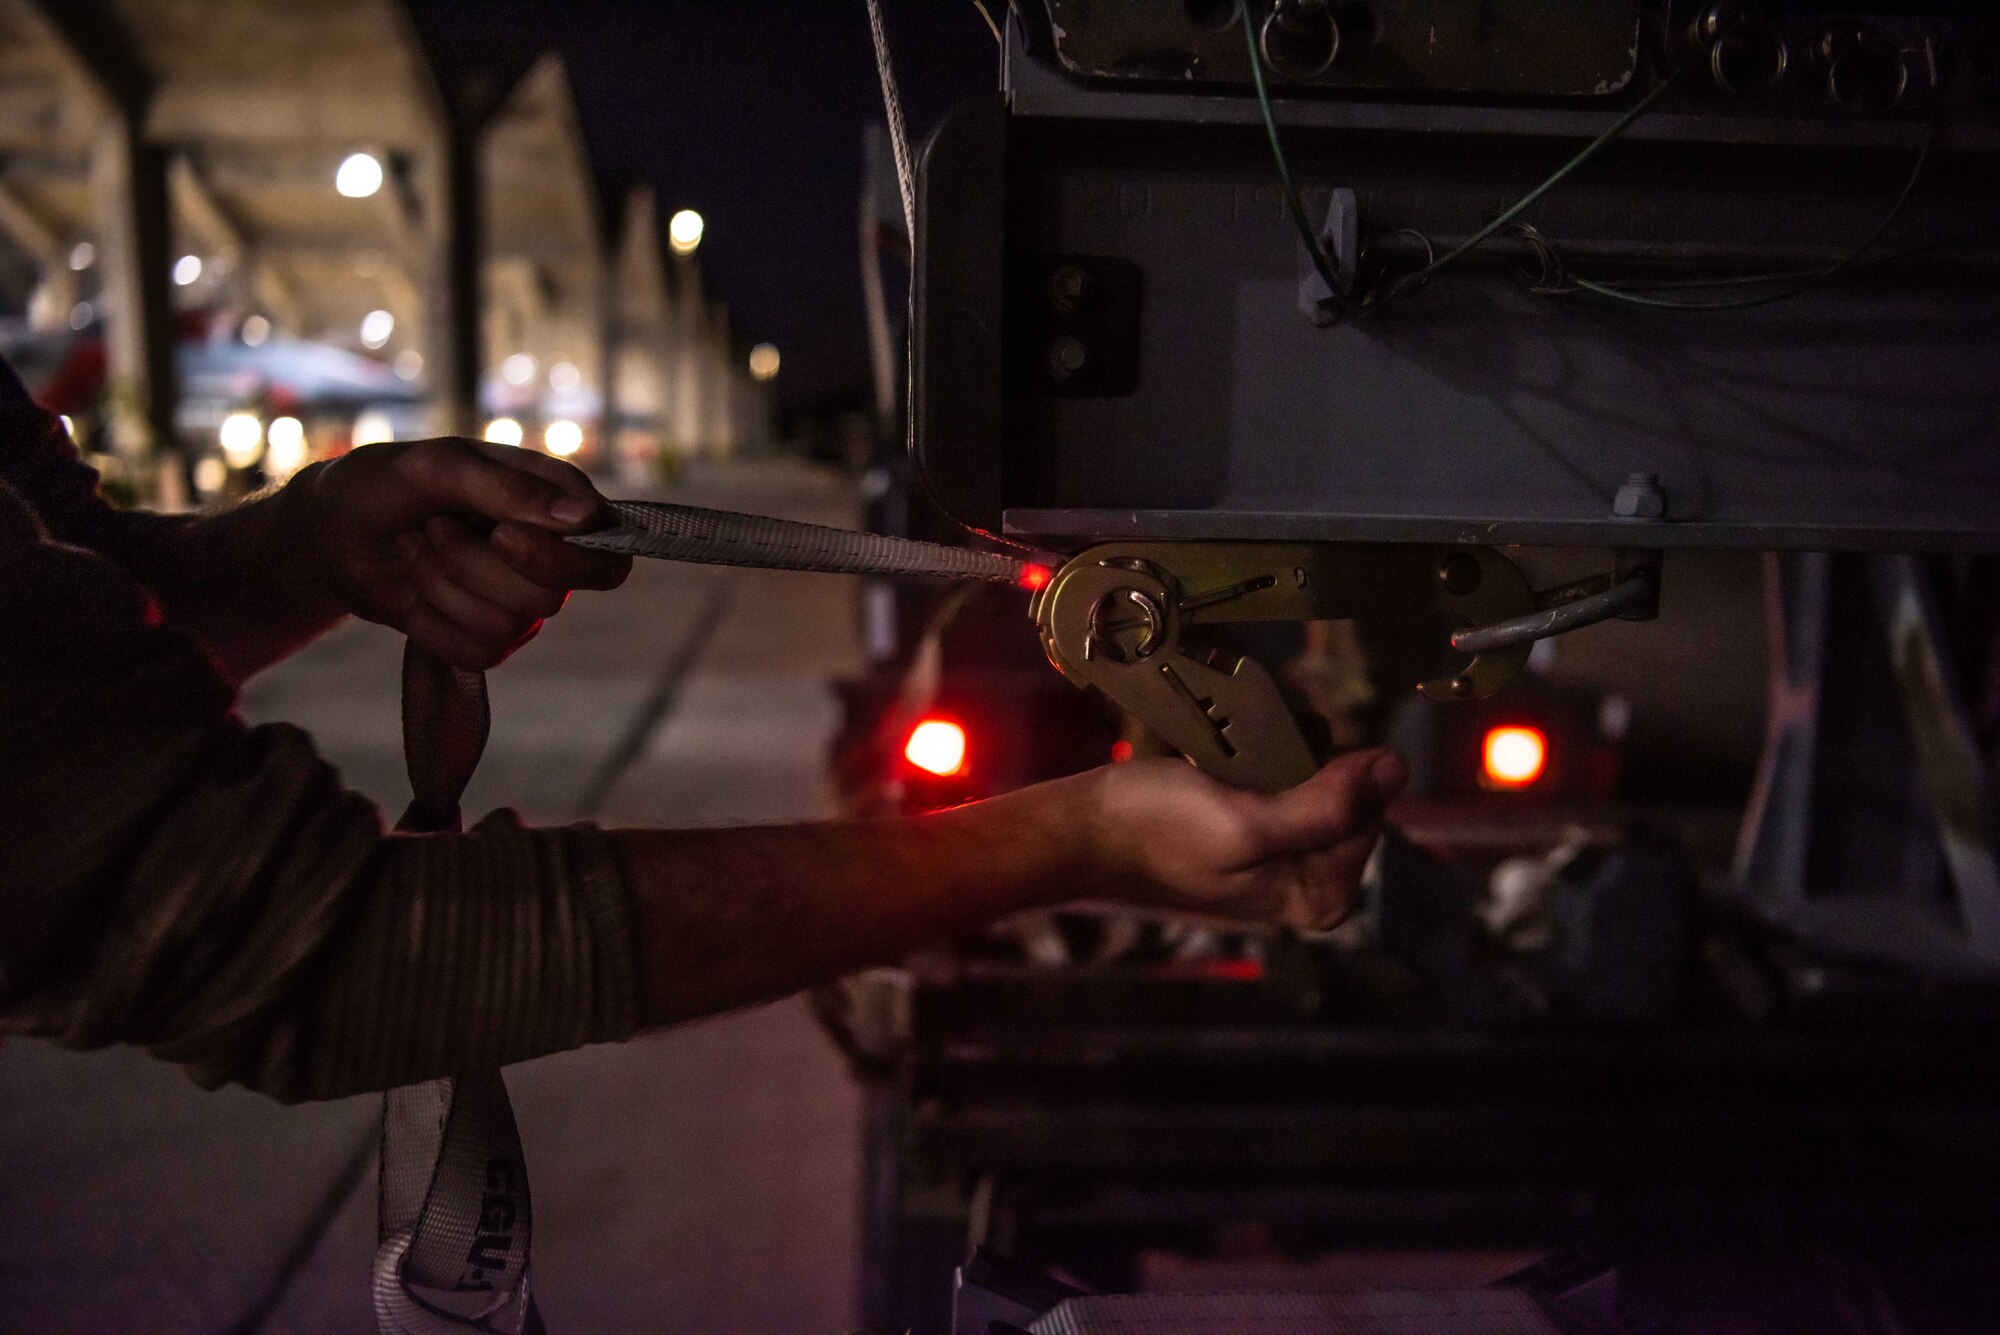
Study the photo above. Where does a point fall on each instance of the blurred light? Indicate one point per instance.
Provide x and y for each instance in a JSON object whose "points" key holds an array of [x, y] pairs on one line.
{"points": [[255, 330], [81, 314], [763, 361], [1121, 751], [82, 255], [1033, 576], [937, 746], [373, 427], [1614, 717], [409, 364], [285, 447], [518, 369], [358, 176], [684, 231], [504, 431], [210, 473], [187, 269], [564, 377], [376, 326], [242, 437], [1514, 757], [68, 425], [562, 438]]}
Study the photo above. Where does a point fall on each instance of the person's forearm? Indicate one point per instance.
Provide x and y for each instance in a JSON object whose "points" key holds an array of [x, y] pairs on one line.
{"points": [[244, 581], [727, 918]]}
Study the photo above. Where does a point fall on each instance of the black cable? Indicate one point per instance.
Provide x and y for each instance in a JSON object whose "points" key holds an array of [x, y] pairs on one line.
{"points": [[1811, 279], [1554, 278], [1422, 276], [1410, 283]]}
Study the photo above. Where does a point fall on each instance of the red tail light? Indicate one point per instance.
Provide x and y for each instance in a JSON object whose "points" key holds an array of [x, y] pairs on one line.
{"points": [[1513, 757], [937, 746]]}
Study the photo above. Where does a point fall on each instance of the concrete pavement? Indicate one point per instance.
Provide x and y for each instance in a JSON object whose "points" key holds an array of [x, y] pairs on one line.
{"points": [[704, 1179]]}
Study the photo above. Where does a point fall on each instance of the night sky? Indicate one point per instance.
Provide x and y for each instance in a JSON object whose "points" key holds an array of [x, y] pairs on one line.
{"points": [[750, 111]]}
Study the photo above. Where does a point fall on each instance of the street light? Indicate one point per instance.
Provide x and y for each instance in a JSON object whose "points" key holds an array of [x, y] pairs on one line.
{"points": [[763, 361], [358, 176], [372, 427], [376, 327], [684, 231], [284, 448], [242, 439], [562, 438]]}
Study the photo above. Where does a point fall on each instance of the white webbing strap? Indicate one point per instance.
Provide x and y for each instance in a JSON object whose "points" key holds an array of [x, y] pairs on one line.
{"points": [[453, 1214]]}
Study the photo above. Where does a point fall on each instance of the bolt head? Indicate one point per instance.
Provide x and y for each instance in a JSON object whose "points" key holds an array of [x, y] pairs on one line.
{"points": [[1067, 357], [1069, 286], [1459, 573], [1640, 498]]}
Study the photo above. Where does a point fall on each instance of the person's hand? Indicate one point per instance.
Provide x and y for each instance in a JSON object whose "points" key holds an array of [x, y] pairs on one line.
{"points": [[1171, 837], [456, 543]]}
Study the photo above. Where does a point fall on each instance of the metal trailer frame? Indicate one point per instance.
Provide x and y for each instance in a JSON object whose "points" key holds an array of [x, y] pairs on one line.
{"points": [[1195, 390], [1117, 336]]}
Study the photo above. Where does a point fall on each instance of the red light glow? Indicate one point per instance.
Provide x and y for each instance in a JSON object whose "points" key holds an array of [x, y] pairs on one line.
{"points": [[1514, 757], [1034, 577], [1121, 751], [937, 746]]}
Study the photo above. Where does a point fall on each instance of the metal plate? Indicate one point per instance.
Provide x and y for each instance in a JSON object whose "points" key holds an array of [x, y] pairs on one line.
{"points": [[1865, 416], [1574, 48]]}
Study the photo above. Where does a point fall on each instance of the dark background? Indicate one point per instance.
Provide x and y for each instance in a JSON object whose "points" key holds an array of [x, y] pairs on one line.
{"points": [[750, 112]]}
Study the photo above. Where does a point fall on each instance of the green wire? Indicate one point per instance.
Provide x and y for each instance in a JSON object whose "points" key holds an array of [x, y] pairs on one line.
{"points": [[1294, 205], [1788, 275], [1529, 200], [1806, 280]]}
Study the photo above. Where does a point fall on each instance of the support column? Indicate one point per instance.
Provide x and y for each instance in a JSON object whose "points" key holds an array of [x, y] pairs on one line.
{"points": [[55, 286], [690, 349], [134, 225], [721, 395], [129, 178], [452, 325], [612, 335]]}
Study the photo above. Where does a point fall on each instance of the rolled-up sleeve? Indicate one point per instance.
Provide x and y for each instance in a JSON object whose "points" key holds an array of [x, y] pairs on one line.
{"points": [[172, 878]]}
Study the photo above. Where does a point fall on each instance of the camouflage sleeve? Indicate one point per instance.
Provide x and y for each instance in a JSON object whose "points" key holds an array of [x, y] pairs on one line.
{"points": [[172, 878]]}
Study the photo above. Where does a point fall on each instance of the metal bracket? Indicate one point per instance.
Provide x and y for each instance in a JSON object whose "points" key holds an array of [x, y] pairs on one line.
{"points": [[1113, 618], [1340, 237], [1632, 591]]}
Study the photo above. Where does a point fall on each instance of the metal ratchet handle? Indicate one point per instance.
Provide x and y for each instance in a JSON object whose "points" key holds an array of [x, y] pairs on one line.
{"points": [[1116, 626]]}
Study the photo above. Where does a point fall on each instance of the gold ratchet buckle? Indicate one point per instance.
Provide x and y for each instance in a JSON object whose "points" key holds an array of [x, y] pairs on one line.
{"points": [[1113, 618]]}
